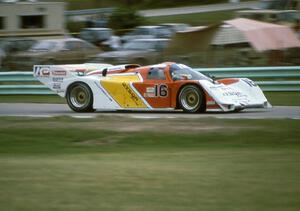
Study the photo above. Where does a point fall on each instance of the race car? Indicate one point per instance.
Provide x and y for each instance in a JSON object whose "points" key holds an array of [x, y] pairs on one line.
{"points": [[169, 85]]}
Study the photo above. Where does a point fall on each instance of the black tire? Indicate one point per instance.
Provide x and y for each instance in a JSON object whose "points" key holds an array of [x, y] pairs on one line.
{"points": [[191, 99], [80, 97]]}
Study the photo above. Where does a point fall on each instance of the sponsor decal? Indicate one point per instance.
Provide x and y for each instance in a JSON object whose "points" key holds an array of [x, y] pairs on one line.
{"points": [[233, 93], [122, 92], [133, 96], [150, 92], [58, 79], [56, 86], [59, 72], [42, 71]]}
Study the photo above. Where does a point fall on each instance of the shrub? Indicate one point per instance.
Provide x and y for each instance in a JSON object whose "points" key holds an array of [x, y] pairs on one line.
{"points": [[125, 18]]}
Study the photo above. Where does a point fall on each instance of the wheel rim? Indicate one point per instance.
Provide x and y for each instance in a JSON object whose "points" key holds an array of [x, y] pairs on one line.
{"points": [[79, 96], [190, 98]]}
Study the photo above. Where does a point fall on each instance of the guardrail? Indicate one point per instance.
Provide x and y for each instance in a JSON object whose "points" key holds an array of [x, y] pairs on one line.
{"points": [[268, 78], [96, 11]]}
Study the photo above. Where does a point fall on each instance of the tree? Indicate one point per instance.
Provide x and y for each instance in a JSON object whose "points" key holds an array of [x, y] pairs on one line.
{"points": [[125, 18]]}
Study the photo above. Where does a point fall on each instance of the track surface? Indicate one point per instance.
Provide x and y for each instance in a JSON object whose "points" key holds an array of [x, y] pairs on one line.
{"points": [[50, 110]]}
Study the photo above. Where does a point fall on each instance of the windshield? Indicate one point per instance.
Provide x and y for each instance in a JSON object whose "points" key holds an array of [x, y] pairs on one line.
{"points": [[139, 45], [142, 31], [183, 72], [43, 46]]}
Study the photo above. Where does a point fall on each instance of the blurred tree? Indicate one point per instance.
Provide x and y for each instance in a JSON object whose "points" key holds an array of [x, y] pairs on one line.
{"points": [[125, 18]]}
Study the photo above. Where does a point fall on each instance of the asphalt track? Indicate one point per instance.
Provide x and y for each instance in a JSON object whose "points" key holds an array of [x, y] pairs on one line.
{"points": [[52, 110]]}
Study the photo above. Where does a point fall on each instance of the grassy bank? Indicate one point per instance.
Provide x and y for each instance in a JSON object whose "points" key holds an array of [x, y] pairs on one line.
{"points": [[31, 99], [196, 19], [283, 98], [137, 4], [124, 164]]}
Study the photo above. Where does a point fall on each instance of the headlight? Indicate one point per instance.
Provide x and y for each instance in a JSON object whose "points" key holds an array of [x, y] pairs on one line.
{"points": [[249, 82]]}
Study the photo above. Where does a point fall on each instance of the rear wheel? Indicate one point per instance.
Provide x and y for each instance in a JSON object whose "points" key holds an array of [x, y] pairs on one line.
{"points": [[191, 99], [80, 97]]}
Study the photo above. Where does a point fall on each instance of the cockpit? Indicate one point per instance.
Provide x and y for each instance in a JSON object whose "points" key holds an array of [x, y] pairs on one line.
{"points": [[183, 72]]}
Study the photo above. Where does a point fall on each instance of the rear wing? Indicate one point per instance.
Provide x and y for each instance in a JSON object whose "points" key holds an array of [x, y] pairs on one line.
{"points": [[54, 76]]}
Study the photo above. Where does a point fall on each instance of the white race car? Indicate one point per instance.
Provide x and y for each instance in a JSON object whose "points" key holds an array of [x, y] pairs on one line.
{"points": [[169, 85]]}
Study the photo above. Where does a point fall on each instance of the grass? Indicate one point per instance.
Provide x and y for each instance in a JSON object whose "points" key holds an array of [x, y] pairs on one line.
{"points": [[195, 19], [63, 164], [31, 99], [283, 98], [137, 4]]}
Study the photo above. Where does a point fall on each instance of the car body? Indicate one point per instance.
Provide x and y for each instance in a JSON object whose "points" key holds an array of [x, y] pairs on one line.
{"points": [[147, 32], [165, 86], [2, 56], [140, 51], [95, 35], [14, 45], [54, 51], [10, 46], [176, 27], [101, 37]]}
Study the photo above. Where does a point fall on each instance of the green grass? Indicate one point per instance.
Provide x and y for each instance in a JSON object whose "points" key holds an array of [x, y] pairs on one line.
{"points": [[195, 19], [138, 4], [31, 99], [283, 98], [67, 164]]}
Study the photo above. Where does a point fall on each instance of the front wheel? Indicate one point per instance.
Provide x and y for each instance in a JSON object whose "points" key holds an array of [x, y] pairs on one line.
{"points": [[80, 97], [191, 99]]}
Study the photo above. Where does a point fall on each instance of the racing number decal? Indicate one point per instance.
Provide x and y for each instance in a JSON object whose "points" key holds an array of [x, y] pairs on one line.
{"points": [[159, 90]]}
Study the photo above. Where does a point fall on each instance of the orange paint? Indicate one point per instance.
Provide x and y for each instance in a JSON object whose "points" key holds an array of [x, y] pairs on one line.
{"points": [[228, 81]]}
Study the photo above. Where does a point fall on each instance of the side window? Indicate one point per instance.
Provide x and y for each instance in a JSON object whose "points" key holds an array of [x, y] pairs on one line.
{"points": [[161, 45], [72, 45], [156, 74], [85, 45], [2, 25]]}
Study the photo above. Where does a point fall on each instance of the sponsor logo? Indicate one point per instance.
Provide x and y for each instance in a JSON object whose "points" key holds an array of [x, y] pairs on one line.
{"points": [[233, 93], [59, 72], [150, 92], [56, 86], [58, 79], [133, 96], [42, 71], [60, 91]]}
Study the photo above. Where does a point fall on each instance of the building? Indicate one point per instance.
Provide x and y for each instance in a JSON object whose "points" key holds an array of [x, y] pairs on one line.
{"points": [[31, 19]]}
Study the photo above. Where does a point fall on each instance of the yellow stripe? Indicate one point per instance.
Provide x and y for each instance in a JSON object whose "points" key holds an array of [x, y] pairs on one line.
{"points": [[123, 78], [119, 88]]}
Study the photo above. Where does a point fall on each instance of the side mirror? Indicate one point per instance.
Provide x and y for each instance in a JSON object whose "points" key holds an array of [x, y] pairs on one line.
{"points": [[104, 72]]}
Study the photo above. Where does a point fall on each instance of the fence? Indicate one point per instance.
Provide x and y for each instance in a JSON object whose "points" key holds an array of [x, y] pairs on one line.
{"points": [[268, 78]]}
